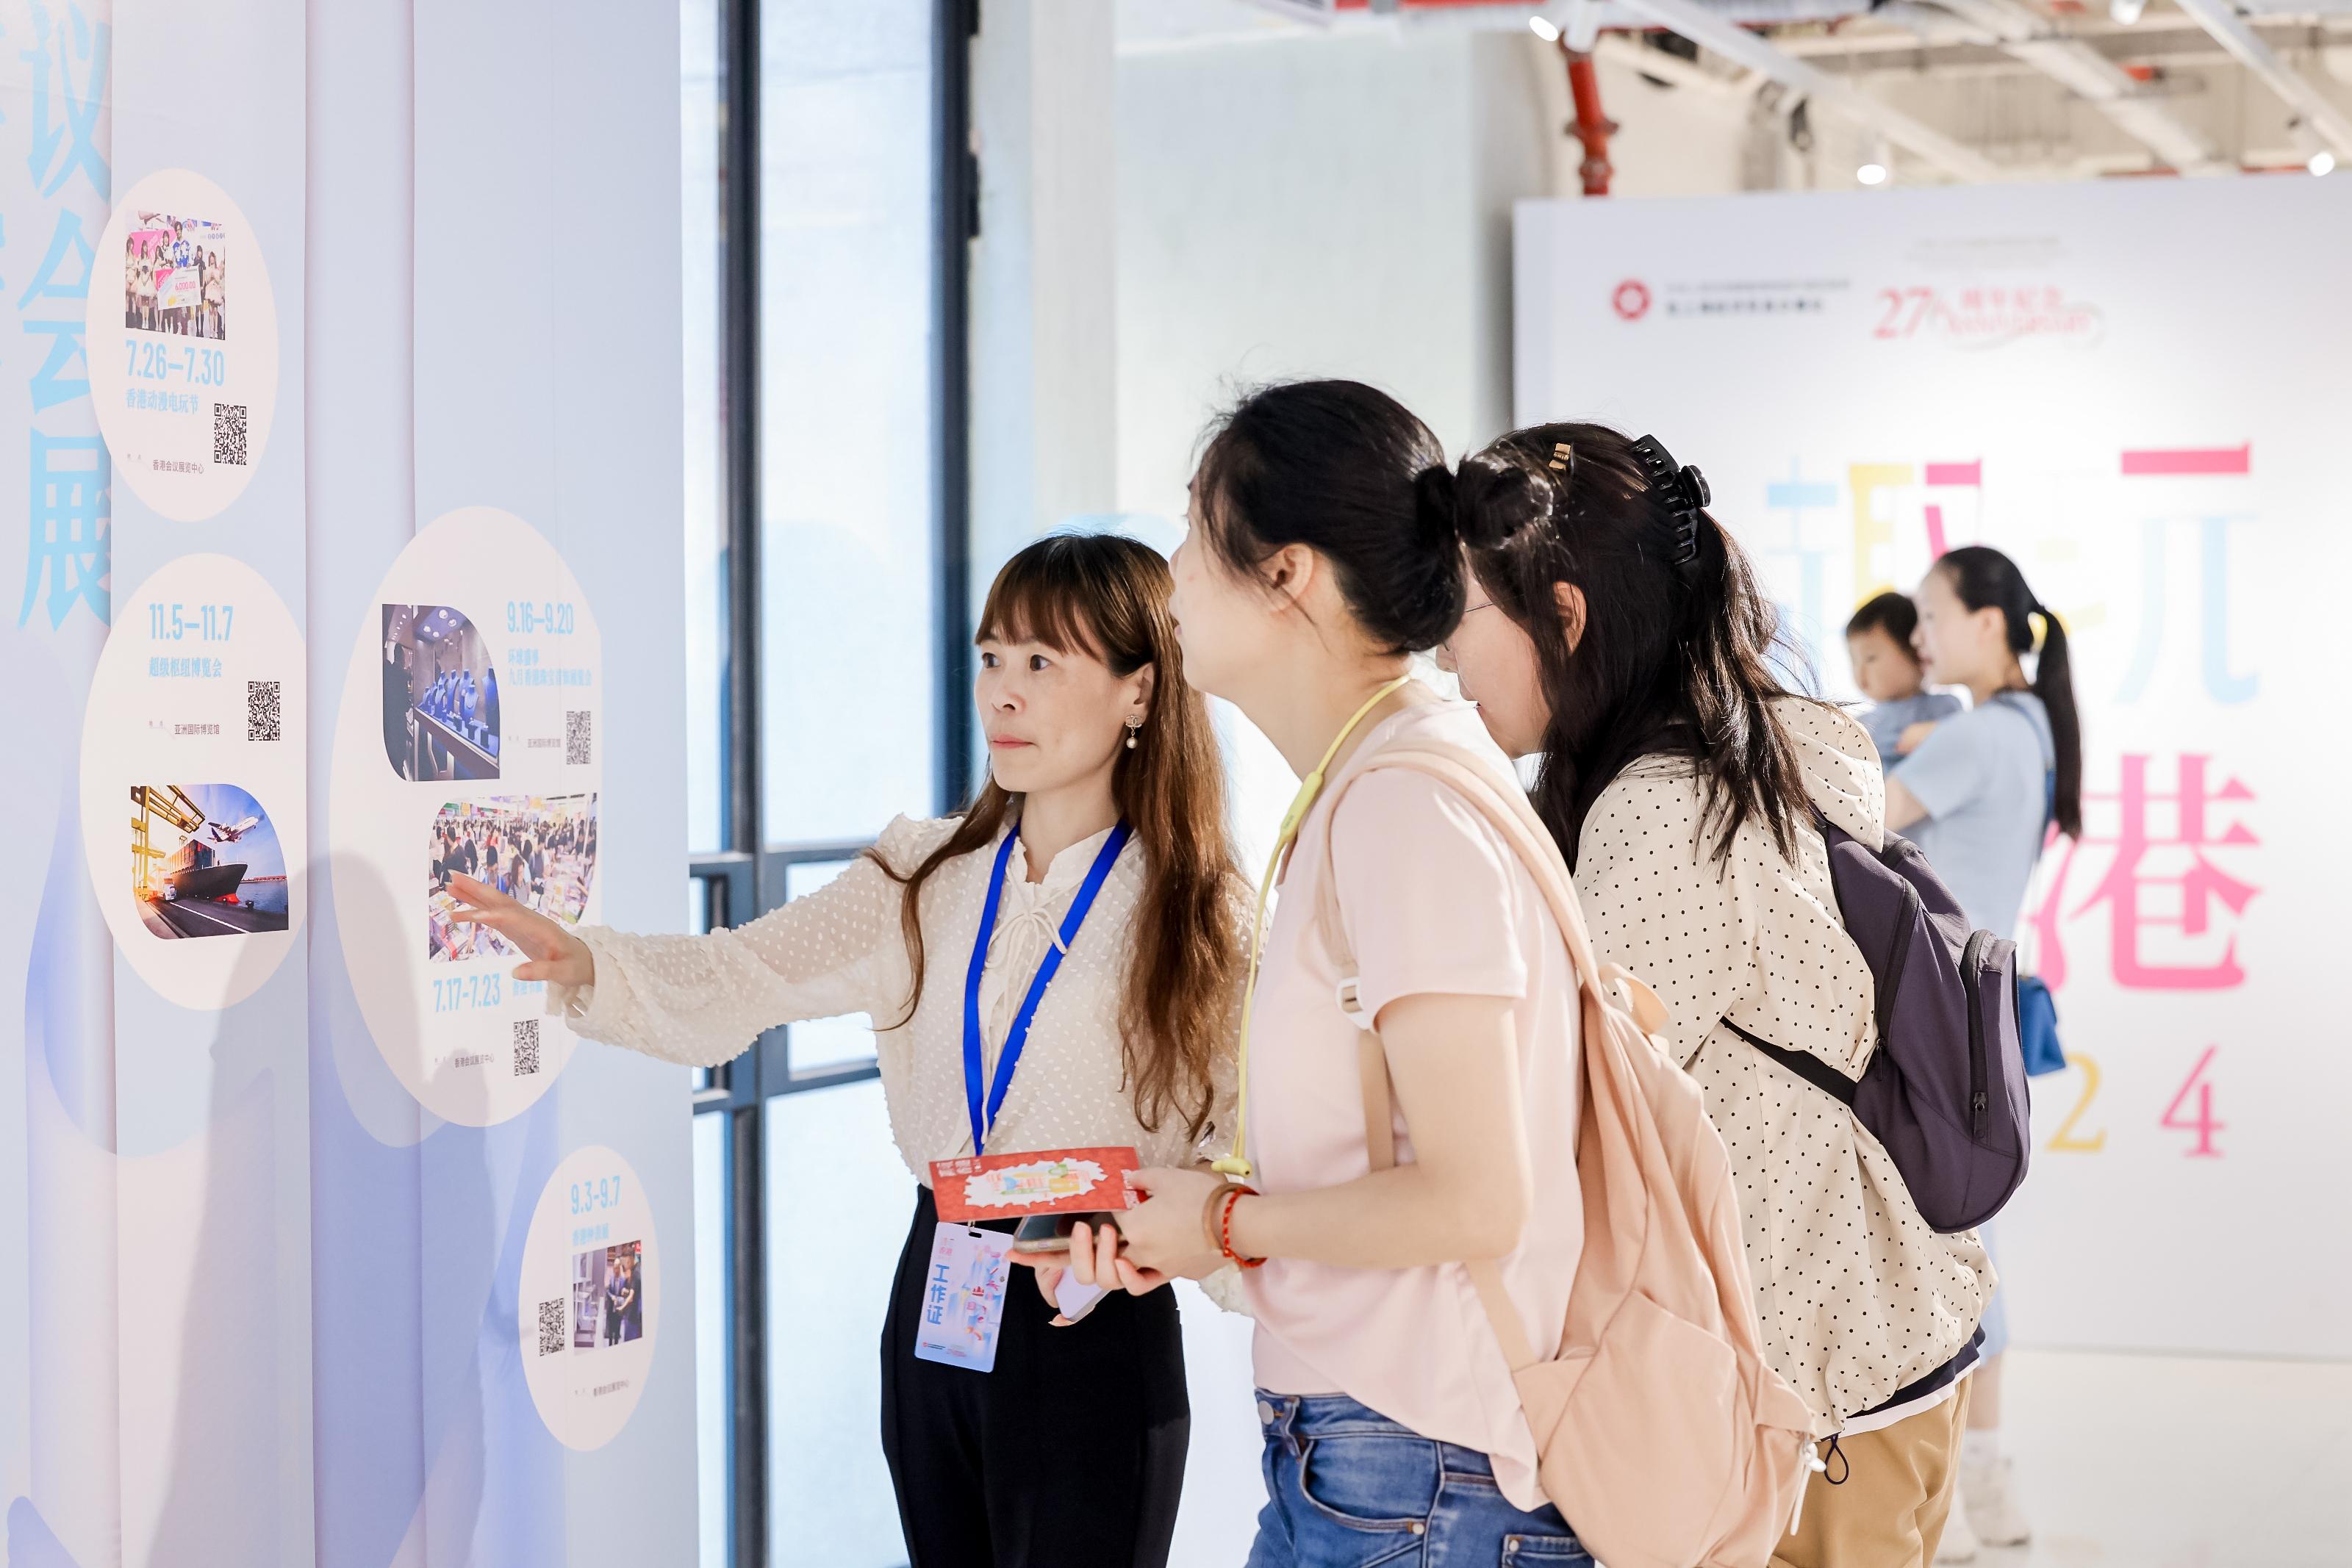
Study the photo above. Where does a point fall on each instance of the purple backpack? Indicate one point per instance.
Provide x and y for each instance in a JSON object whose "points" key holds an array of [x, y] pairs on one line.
{"points": [[1945, 1092]]}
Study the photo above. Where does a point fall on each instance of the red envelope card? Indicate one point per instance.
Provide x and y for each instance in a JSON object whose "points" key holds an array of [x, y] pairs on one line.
{"points": [[1043, 1181]]}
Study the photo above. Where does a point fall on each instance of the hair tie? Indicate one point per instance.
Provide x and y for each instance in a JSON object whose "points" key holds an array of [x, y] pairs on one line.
{"points": [[1435, 501], [1501, 494], [1679, 490]]}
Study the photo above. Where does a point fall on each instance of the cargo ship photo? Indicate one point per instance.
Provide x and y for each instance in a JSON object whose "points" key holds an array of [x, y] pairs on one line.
{"points": [[226, 875]]}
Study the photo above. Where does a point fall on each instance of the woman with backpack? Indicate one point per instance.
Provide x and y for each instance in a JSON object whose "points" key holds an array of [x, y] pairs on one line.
{"points": [[1321, 555], [1980, 796], [1615, 632]]}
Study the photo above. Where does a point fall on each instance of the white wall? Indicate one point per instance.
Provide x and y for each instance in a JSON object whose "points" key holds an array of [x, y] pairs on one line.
{"points": [[1043, 274], [1313, 206], [1305, 205]]}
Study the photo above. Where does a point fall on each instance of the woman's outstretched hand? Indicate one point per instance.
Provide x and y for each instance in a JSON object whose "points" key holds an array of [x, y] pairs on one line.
{"points": [[549, 952]]}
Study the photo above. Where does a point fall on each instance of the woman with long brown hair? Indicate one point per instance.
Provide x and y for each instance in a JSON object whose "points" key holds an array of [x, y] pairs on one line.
{"points": [[1093, 885]]}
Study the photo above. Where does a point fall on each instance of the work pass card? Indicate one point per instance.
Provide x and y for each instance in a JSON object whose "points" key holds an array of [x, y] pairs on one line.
{"points": [[963, 1297]]}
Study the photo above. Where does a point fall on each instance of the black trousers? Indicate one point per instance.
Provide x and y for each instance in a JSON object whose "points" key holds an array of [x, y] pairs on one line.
{"points": [[1070, 1454]]}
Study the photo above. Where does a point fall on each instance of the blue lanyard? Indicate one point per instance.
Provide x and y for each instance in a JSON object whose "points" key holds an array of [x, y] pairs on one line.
{"points": [[1018, 1035]]}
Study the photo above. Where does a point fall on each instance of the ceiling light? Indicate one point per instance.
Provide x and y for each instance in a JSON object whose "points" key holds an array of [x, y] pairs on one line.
{"points": [[2126, 12], [2317, 155], [1875, 161], [1544, 27]]}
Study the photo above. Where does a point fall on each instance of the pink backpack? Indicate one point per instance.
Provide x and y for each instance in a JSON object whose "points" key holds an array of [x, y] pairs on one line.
{"points": [[1660, 1434]]}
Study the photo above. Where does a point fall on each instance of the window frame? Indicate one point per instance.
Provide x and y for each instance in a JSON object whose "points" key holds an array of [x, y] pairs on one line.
{"points": [[747, 877]]}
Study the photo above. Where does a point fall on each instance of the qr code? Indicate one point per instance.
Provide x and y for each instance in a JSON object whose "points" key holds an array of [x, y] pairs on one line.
{"points": [[228, 434], [550, 1327], [575, 736], [526, 1047], [261, 710]]}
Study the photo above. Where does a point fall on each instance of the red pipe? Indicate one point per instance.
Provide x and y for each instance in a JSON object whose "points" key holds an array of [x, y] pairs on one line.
{"points": [[1593, 127]]}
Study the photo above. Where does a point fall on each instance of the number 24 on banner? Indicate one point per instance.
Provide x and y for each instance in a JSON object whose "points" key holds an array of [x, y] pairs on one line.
{"points": [[2203, 1123], [2070, 1139]]}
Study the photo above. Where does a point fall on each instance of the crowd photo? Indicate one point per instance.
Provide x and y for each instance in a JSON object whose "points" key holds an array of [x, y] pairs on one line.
{"points": [[538, 851], [174, 277]]}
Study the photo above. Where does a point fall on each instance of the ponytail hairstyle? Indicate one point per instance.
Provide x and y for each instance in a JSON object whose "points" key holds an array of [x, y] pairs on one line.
{"points": [[1348, 472], [1678, 644], [1107, 596], [1982, 577]]}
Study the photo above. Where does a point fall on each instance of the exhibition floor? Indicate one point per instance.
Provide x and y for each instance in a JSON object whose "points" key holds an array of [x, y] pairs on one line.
{"points": [[2144, 1461], [2124, 1461]]}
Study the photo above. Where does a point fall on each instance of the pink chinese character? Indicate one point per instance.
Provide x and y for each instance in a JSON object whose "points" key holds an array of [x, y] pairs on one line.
{"points": [[2128, 880]]}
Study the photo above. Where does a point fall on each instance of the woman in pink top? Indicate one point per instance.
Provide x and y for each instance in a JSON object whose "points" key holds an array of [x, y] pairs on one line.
{"points": [[1392, 1430]]}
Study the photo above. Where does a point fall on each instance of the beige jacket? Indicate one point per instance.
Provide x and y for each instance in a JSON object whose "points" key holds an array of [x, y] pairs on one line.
{"points": [[1857, 1295]]}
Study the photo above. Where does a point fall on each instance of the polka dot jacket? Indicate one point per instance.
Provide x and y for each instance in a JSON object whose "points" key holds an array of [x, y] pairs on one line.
{"points": [[1857, 1295]]}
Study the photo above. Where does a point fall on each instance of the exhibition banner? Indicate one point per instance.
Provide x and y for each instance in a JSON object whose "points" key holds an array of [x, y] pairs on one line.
{"points": [[2136, 390], [326, 1243]]}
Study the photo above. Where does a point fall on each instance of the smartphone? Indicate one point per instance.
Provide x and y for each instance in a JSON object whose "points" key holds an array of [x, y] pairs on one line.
{"points": [[1074, 1300], [1051, 1232]]}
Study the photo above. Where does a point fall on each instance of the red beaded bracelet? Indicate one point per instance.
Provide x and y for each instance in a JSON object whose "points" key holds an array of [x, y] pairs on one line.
{"points": [[1226, 1228]]}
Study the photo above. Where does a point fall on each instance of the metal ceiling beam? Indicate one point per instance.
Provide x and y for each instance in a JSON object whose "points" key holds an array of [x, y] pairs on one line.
{"points": [[1709, 30], [1732, 92], [2078, 66], [2231, 32]]}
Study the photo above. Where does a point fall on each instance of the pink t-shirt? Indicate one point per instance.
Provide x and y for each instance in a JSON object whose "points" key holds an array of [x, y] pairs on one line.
{"points": [[1435, 902]]}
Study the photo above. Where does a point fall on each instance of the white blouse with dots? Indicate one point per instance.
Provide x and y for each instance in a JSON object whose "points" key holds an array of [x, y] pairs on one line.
{"points": [[842, 949], [1858, 1296]]}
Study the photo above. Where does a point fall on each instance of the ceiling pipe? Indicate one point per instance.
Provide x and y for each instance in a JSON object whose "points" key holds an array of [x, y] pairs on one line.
{"points": [[1702, 25], [2230, 31], [1592, 127]]}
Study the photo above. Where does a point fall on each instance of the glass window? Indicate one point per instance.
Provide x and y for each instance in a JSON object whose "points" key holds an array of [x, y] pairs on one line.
{"points": [[702, 108], [842, 678], [838, 1202], [849, 667]]}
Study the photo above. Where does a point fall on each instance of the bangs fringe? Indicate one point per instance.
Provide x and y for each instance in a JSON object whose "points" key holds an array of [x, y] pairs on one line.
{"points": [[1040, 597]]}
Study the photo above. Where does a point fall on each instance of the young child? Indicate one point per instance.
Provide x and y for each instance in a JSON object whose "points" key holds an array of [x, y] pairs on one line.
{"points": [[1878, 642]]}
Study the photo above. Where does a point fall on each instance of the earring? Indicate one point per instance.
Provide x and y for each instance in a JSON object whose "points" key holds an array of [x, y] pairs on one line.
{"points": [[1134, 723]]}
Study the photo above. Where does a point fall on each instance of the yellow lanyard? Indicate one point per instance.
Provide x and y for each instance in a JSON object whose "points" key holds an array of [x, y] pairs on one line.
{"points": [[1236, 1164]]}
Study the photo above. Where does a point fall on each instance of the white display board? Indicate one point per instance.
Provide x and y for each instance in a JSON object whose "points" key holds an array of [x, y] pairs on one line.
{"points": [[590, 1304], [191, 792], [183, 344], [468, 741], [2136, 390]]}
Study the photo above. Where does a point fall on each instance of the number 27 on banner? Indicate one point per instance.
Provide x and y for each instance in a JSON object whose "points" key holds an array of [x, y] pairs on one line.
{"points": [[2202, 1122]]}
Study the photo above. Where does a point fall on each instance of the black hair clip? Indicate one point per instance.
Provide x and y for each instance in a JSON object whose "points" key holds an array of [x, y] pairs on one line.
{"points": [[1681, 490]]}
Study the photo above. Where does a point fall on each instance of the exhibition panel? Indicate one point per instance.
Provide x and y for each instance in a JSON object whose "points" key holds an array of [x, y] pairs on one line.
{"points": [[332, 1247]]}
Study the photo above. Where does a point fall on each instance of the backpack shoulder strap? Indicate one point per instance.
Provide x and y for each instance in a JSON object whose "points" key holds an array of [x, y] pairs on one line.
{"points": [[1506, 810]]}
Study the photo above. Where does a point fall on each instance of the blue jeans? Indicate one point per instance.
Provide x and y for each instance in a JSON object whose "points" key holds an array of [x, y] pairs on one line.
{"points": [[1347, 1488]]}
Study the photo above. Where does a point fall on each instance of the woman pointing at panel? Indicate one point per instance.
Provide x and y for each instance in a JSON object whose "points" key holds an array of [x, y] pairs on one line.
{"points": [[1097, 1008]]}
